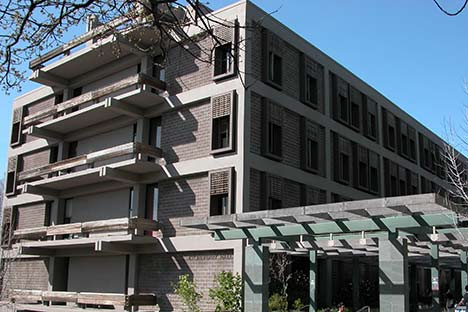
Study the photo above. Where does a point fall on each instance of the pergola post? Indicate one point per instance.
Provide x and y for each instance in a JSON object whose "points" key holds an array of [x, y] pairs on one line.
{"points": [[312, 280], [356, 279], [435, 276], [393, 274], [256, 278], [464, 270]]}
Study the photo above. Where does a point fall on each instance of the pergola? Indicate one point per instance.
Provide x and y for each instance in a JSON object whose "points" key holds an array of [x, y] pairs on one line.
{"points": [[394, 229]]}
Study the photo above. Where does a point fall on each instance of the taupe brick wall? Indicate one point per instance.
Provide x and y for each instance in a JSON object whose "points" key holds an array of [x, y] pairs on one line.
{"points": [[185, 71], [291, 194], [182, 198], [35, 159], [255, 190], [37, 107], [256, 123], [32, 215], [27, 274], [291, 82], [161, 271], [186, 133]]}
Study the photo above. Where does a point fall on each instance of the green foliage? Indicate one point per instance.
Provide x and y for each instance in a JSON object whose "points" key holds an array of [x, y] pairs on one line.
{"points": [[278, 303], [187, 291], [298, 305], [227, 294]]}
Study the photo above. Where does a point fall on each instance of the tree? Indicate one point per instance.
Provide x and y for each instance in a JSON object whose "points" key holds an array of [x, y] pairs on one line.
{"points": [[227, 294], [187, 291], [31, 27]]}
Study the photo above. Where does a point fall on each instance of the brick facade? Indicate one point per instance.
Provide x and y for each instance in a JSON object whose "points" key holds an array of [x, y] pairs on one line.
{"points": [[161, 271], [35, 160], [35, 108], [186, 133], [32, 215], [182, 198], [26, 274]]}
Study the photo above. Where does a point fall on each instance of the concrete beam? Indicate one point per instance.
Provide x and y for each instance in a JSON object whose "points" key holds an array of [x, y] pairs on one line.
{"points": [[118, 175], [48, 79], [123, 108], [44, 133]]}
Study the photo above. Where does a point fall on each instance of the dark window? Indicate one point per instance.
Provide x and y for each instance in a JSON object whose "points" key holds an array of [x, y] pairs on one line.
{"points": [[344, 167], [402, 186], [219, 205], [363, 174], [391, 137], [274, 203], [393, 186], [275, 69], [155, 132], [58, 98], [312, 154], [275, 139], [138, 68], [67, 216], [220, 132], [355, 113], [223, 60], [10, 182], [374, 179], [53, 157], [311, 90], [72, 149], [412, 149], [404, 144], [15, 133], [343, 108], [77, 91], [372, 125]]}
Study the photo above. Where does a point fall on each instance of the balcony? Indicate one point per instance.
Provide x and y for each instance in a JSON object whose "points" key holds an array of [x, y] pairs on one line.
{"points": [[129, 163], [97, 48], [37, 300], [132, 97], [114, 236]]}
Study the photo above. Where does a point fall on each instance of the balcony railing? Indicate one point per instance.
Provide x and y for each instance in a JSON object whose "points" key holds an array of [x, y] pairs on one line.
{"points": [[89, 160], [82, 299], [84, 229], [58, 110]]}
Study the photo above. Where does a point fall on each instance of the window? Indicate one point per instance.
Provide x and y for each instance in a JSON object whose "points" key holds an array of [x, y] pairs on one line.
{"points": [[131, 197], [220, 133], [403, 185], [272, 190], [412, 143], [155, 132], [311, 89], [374, 161], [76, 92], [393, 186], [363, 167], [219, 205], [12, 169], [16, 126], [223, 59], [276, 139], [275, 68], [404, 144], [221, 192], [389, 129], [372, 125], [370, 118], [67, 216], [343, 108], [152, 202], [355, 113], [362, 174], [72, 149], [312, 154], [222, 123], [58, 98], [391, 137], [344, 167], [356, 103], [274, 203]]}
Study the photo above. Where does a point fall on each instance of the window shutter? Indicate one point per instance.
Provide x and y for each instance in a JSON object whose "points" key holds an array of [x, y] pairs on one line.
{"points": [[341, 101], [228, 35], [272, 113], [412, 143], [10, 188], [402, 132], [371, 113], [362, 177], [403, 182], [221, 183], [273, 188], [16, 126], [414, 183], [313, 196], [389, 128], [221, 106], [312, 131]]}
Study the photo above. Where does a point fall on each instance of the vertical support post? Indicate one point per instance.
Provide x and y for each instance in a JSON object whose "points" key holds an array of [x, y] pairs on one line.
{"points": [[464, 270], [256, 278], [312, 280], [435, 276], [393, 274], [356, 279]]}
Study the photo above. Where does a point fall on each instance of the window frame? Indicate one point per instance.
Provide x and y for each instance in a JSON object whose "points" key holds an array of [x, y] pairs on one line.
{"points": [[229, 195], [232, 127]]}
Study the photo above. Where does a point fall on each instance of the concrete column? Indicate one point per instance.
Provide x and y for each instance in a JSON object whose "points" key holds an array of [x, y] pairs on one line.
{"points": [[393, 274], [312, 280], [256, 278], [356, 279], [464, 270], [435, 276]]}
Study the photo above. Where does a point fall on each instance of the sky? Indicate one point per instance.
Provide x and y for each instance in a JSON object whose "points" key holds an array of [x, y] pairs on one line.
{"points": [[408, 50]]}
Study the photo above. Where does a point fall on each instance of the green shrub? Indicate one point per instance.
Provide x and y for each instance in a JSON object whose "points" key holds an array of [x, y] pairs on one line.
{"points": [[298, 305], [227, 294], [187, 291], [278, 303]]}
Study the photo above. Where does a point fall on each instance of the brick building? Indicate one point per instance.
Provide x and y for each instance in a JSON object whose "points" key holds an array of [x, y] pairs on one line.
{"points": [[110, 153]]}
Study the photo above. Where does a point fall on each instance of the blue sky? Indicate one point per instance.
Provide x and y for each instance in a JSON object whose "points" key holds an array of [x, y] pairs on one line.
{"points": [[408, 50]]}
